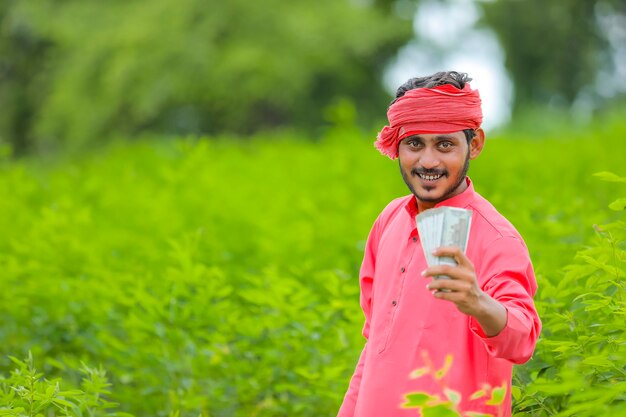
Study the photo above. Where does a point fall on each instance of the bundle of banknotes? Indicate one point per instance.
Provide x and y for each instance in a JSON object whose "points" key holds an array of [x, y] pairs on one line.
{"points": [[443, 226]]}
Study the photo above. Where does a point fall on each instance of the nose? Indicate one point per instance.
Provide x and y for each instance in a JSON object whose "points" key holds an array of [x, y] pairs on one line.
{"points": [[429, 158]]}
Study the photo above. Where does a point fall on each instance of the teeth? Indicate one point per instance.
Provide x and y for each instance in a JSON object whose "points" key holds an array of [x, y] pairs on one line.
{"points": [[430, 177]]}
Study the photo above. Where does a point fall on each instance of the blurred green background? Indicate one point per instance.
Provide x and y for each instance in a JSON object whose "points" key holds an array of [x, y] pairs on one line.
{"points": [[186, 188], [75, 73]]}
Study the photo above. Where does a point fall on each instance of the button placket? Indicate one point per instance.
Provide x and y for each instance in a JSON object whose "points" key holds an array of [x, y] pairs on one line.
{"points": [[393, 306]]}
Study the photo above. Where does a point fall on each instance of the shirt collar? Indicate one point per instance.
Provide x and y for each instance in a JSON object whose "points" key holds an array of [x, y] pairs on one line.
{"points": [[460, 200]]}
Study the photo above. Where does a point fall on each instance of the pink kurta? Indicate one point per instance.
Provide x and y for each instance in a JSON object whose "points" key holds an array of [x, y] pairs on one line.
{"points": [[404, 323]]}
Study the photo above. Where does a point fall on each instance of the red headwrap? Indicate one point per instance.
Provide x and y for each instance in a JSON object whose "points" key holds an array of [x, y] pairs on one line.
{"points": [[443, 109]]}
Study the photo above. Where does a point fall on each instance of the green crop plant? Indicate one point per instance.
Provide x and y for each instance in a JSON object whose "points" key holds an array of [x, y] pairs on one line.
{"points": [[580, 364], [220, 278], [26, 393]]}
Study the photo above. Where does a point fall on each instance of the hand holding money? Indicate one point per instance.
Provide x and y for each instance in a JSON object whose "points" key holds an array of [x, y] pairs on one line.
{"points": [[444, 233]]}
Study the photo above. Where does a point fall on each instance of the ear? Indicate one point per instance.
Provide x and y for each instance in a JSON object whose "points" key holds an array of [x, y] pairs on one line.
{"points": [[477, 143]]}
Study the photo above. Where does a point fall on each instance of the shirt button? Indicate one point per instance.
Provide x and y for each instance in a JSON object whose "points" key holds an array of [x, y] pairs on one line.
{"points": [[414, 239], [402, 269], [394, 302]]}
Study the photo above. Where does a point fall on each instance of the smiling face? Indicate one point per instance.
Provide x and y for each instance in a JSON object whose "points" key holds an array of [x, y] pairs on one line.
{"points": [[434, 166]]}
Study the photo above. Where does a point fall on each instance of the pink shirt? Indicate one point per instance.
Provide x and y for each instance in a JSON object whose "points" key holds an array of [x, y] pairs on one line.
{"points": [[403, 321]]}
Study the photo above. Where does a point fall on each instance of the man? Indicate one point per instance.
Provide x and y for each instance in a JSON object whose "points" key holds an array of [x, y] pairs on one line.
{"points": [[483, 318]]}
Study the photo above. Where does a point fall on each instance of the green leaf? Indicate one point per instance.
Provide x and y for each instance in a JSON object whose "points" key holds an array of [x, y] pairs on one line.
{"points": [[609, 176], [418, 373], [50, 391], [418, 399], [602, 265], [516, 392], [445, 368], [17, 361], [57, 364], [70, 393], [598, 361], [478, 394], [619, 204], [453, 396], [497, 396], [441, 410], [61, 401]]}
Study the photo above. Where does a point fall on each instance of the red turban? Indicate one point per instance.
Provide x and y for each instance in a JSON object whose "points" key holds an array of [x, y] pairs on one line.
{"points": [[442, 109]]}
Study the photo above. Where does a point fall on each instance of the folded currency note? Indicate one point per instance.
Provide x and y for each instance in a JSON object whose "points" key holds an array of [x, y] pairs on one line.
{"points": [[443, 226]]}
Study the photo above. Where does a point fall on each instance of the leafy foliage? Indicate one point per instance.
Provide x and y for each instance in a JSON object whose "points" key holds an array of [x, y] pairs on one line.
{"points": [[25, 394], [111, 68], [446, 403], [581, 366], [216, 278]]}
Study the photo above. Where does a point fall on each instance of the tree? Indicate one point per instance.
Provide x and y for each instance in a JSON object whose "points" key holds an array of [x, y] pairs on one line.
{"points": [[22, 76], [554, 49], [192, 66]]}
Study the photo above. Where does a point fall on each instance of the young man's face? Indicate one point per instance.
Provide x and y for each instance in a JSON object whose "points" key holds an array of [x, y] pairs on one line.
{"points": [[434, 166]]}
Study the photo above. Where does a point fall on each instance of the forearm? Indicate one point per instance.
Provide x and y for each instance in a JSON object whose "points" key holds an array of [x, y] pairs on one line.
{"points": [[491, 315]]}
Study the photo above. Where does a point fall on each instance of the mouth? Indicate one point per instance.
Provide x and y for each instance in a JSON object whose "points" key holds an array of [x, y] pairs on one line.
{"points": [[427, 177]]}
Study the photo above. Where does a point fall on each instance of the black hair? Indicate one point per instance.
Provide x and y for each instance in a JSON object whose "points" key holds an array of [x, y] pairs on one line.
{"points": [[457, 79]]}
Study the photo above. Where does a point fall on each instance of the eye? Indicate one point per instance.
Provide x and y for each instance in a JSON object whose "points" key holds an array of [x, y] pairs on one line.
{"points": [[445, 145], [413, 143]]}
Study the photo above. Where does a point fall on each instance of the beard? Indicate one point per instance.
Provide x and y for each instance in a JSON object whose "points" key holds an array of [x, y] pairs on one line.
{"points": [[448, 192]]}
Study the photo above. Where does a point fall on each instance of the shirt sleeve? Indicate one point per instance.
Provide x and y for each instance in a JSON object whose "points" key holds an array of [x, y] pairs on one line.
{"points": [[508, 277], [366, 281]]}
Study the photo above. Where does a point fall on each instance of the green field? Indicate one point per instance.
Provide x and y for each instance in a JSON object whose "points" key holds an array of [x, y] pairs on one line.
{"points": [[220, 278]]}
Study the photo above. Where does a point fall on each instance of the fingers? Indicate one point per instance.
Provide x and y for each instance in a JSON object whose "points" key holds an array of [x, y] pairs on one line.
{"points": [[454, 297], [462, 287], [449, 285], [461, 293], [459, 272], [453, 252]]}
